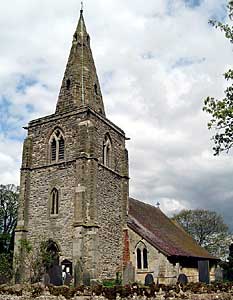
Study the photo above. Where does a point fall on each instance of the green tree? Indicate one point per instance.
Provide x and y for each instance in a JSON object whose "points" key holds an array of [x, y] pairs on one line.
{"points": [[9, 195], [207, 228], [8, 216], [221, 111]]}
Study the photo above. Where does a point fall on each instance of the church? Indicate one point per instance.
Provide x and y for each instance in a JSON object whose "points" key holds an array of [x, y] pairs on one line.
{"points": [[74, 194]]}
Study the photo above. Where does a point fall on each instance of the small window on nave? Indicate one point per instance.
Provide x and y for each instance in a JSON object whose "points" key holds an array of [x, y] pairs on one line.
{"points": [[141, 256], [54, 202], [107, 151], [57, 146]]}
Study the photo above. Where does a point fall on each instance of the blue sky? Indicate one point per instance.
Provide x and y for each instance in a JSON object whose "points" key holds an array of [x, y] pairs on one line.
{"points": [[156, 63]]}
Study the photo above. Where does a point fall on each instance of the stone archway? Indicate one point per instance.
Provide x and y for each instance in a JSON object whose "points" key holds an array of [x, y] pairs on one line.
{"points": [[52, 264]]}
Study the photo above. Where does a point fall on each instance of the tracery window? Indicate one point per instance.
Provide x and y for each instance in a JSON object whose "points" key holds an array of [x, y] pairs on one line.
{"points": [[142, 256], [107, 151], [57, 146], [54, 202]]}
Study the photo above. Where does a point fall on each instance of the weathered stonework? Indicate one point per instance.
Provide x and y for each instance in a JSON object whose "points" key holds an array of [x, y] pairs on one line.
{"points": [[158, 265], [92, 196]]}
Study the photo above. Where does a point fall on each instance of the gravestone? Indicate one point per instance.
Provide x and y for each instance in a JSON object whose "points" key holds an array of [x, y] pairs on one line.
{"points": [[78, 274], [128, 274], [218, 274], [55, 275], [149, 279], [68, 279], [86, 279], [46, 279], [182, 279]]}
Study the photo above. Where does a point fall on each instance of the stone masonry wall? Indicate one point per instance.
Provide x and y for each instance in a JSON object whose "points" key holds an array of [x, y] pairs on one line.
{"points": [[111, 200], [109, 212], [92, 197], [42, 226], [45, 175], [158, 265]]}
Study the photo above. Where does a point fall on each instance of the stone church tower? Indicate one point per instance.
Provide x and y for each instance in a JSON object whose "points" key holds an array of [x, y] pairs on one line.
{"points": [[74, 175]]}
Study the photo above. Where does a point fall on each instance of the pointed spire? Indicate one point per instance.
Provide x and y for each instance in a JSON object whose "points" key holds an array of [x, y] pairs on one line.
{"points": [[80, 85]]}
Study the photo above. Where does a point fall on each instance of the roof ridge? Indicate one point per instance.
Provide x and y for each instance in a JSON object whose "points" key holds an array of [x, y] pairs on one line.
{"points": [[167, 234], [151, 205]]}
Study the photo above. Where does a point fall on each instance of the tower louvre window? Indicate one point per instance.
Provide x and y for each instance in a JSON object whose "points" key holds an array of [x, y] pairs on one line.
{"points": [[54, 202], [57, 146], [53, 149], [61, 152]]}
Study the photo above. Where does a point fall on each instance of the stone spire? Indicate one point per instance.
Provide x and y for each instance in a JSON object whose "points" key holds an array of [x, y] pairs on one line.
{"points": [[80, 85]]}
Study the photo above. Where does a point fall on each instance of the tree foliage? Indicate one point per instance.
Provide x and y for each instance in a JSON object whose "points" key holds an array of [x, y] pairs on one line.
{"points": [[207, 228], [34, 262], [9, 195], [8, 218], [228, 265], [222, 110]]}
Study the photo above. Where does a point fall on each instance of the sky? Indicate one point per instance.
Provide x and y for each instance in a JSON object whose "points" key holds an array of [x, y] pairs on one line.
{"points": [[156, 61]]}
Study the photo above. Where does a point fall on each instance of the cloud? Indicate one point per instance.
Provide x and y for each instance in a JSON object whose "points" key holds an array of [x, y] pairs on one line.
{"points": [[156, 62]]}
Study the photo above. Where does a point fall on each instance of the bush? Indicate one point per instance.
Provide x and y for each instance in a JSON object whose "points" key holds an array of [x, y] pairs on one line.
{"points": [[5, 268]]}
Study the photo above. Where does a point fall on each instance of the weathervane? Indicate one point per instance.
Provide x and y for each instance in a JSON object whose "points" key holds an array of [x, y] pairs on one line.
{"points": [[81, 6]]}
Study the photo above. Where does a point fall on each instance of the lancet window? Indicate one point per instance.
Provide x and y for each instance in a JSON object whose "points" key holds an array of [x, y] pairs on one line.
{"points": [[54, 202], [57, 146]]}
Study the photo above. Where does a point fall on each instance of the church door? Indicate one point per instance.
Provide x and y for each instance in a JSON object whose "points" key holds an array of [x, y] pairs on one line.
{"points": [[53, 268]]}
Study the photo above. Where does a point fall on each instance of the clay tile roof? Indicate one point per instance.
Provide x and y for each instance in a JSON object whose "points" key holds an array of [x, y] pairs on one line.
{"points": [[161, 232]]}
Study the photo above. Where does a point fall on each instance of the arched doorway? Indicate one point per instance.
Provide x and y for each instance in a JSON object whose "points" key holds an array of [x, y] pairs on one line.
{"points": [[52, 263]]}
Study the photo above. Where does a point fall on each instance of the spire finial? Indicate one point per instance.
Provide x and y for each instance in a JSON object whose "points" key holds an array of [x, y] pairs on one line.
{"points": [[81, 7]]}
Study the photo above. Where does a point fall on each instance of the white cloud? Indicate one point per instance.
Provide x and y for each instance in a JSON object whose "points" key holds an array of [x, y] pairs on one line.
{"points": [[156, 63]]}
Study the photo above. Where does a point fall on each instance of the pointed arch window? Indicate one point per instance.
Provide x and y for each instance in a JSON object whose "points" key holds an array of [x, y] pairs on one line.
{"points": [[57, 146], [139, 258], [61, 150], [142, 256], [54, 207], [145, 260], [53, 149], [107, 151]]}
